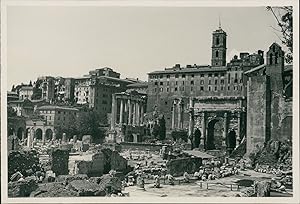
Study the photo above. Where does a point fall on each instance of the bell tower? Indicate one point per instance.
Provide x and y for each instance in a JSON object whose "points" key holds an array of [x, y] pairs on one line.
{"points": [[218, 48]]}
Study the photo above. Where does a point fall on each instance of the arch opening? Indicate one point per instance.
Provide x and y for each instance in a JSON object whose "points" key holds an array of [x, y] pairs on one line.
{"points": [[38, 134], [49, 134], [20, 133]]}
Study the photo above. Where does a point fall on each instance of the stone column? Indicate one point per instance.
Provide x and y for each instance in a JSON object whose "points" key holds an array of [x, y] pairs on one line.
{"points": [[225, 129], [142, 113], [30, 138], [203, 135], [238, 135], [173, 115], [179, 115], [125, 112], [121, 111], [129, 112], [54, 135], [191, 120], [134, 114], [43, 137], [137, 113], [113, 112]]}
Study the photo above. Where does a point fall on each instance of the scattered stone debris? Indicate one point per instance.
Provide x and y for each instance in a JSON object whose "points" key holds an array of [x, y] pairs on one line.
{"points": [[22, 188]]}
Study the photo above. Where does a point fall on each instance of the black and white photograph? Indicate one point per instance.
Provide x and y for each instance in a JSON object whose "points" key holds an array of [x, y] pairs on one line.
{"points": [[154, 101]]}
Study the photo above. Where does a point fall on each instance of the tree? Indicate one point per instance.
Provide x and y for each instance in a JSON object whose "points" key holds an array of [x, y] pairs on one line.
{"points": [[284, 17], [88, 123], [155, 130]]}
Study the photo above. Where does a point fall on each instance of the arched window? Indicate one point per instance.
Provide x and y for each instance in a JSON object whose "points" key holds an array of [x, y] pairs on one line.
{"points": [[271, 58], [276, 57], [217, 53], [217, 41]]}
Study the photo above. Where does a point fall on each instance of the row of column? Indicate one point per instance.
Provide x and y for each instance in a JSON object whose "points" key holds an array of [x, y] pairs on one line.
{"points": [[31, 135], [133, 108], [177, 105]]}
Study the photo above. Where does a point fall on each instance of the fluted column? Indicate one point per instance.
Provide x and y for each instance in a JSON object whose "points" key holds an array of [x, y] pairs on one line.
{"points": [[142, 113], [121, 112], [137, 113], [203, 135], [129, 112], [173, 115], [179, 115], [225, 129], [134, 114], [43, 137], [191, 118], [238, 135], [113, 112]]}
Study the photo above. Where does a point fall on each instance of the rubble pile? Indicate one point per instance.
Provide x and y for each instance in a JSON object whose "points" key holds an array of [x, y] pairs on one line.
{"points": [[22, 161], [275, 154], [22, 188], [79, 185]]}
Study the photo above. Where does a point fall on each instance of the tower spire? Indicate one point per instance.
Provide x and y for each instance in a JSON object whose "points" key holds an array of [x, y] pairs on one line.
{"points": [[219, 22]]}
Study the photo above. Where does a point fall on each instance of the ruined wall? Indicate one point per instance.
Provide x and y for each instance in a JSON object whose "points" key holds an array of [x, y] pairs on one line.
{"points": [[141, 146], [256, 110]]}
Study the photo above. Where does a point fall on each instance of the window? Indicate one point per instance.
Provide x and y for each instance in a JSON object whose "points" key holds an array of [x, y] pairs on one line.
{"points": [[166, 102], [183, 83], [209, 82], [168, 76], [202, 82], [167, 89], [155, 90], [201, 88], [202, 75], [222, 74], [161, 83], [176, 83], [228, 88], [216, 81], [156, 83], [216, 75], [192, 75], [217, 53], [192, 82], [209, 75], [216, 88], [217, 41], [175, 89], [222, 81], [209, 88], [168, 83], [161, 76], [222, 88], [183, 76]]}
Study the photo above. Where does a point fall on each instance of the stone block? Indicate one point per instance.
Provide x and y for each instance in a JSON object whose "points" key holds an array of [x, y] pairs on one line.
{"points": [[177, 167], [86, 139], [86, 188], [85, 147], [66, 179]]}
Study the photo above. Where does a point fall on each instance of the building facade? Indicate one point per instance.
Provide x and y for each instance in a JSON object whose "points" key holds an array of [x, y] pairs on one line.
{"points": [[217, 84]]}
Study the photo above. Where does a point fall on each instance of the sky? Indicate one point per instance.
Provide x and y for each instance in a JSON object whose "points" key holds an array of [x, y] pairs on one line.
{"points": [[70, 41]]}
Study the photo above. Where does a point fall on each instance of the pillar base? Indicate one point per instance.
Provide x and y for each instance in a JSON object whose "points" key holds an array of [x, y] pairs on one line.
{"points": [[111, 138]]}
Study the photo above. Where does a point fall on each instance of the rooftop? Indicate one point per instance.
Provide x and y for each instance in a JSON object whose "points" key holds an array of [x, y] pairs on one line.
{"points": [[50, 107], [191, 69]]}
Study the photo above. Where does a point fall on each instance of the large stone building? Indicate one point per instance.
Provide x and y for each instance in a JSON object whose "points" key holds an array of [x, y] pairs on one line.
{"points": [[216, 94], [269, 100], [51, 119], [95, 90]]}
